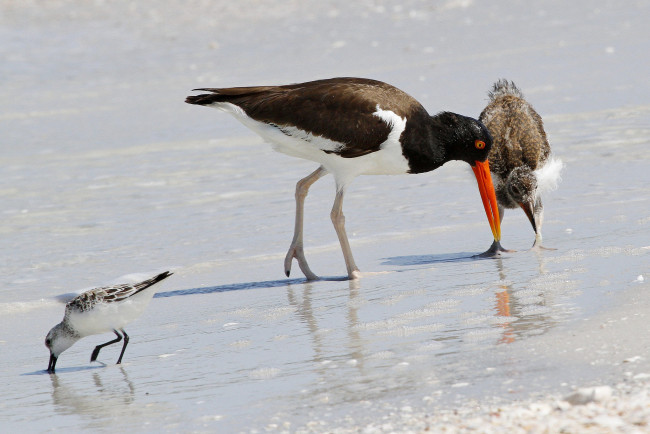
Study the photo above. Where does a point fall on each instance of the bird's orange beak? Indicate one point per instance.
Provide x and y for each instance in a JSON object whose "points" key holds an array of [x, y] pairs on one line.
{"points": [[484, 179]]}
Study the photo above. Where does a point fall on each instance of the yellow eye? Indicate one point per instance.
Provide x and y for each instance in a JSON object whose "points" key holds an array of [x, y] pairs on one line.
{"points": [[480, 144]]}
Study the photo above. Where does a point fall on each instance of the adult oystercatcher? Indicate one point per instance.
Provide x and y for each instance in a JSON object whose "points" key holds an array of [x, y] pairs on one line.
{"points": [[100, 310], [351, 127], [520, 158]]}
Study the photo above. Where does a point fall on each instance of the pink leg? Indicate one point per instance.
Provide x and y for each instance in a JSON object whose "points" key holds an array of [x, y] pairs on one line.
{"points": [[338, 219], [296, 248]]}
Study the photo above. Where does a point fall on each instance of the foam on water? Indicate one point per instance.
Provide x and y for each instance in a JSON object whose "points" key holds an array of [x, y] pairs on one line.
{"points": [[23, 307]]}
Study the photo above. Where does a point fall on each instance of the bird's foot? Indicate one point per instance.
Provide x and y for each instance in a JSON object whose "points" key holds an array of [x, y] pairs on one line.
{"points": [[537, 245], [494, 251], [295, 251], [354, 274], [94, 355], [538, 248]]}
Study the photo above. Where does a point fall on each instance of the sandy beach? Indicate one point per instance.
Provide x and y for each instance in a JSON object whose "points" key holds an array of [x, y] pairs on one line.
{"points": [[106, 172], [615, 402]]}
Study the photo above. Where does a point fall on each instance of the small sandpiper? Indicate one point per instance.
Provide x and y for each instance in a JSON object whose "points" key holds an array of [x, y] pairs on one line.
{"points": [[520, 159], [100, 310], [352, 127]]}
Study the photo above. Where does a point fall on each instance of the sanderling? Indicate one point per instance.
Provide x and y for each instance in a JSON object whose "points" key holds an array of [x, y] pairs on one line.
{"points": [[100, 310]]}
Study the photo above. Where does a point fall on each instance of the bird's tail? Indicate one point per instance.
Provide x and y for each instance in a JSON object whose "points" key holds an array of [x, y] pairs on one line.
{"points": [[225, 94], [147, 283], [504, 87], [203, 99]]}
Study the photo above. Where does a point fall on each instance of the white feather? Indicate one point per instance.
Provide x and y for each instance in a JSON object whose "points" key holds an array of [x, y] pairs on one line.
{"points": [[548, 176]]}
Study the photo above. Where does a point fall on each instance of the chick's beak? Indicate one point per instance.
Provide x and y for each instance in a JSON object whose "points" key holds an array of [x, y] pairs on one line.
{"points": [[50, 366], [529, 209], [484, 179]]}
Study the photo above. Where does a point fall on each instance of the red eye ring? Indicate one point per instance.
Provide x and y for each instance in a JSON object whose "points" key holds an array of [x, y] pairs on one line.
{"points": [[480, 144]]}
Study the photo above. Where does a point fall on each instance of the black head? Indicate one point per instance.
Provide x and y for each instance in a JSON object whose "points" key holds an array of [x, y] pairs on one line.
{"points": [[466, 138]]}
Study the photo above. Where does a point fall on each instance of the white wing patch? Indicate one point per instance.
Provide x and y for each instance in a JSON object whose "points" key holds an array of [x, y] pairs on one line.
{"points": [[395, 123], [389, 160], [548, 176]]}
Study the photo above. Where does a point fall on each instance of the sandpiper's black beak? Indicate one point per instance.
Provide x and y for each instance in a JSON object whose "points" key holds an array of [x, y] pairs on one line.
{"points": [[482, 172], [529, 209], [50, 366]]}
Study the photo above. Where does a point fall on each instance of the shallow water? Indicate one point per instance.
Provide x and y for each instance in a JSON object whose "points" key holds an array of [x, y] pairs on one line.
{"points": [[106, 172]]}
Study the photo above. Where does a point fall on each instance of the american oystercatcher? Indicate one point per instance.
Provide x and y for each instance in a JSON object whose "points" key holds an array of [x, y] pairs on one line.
{"points": [[520, 159], [351, 127], [100, 310]]}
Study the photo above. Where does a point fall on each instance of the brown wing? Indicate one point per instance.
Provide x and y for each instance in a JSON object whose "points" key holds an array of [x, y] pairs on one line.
{"points": [[339, 109]]}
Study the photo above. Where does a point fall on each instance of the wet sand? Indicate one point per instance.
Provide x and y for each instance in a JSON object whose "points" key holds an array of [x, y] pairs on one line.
{"points": [[616, 402], [106, 172]]}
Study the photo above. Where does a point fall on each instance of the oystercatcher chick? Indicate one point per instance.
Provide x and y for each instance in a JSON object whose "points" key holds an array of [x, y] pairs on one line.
{"points": [[100, 310], [520, 159], [351, 127]]}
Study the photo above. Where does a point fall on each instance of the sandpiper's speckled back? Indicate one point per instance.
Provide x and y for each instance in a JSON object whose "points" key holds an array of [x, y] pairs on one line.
{"points": [[110, 294]]}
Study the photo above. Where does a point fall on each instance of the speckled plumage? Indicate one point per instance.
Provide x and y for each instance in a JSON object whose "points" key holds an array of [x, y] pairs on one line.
{"points": [[518, 135], [100, 310], [519, 152], [109, 294]]}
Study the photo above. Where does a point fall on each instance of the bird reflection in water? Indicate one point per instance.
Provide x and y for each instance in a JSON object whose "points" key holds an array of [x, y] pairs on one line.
{"points": [[101, 402]]}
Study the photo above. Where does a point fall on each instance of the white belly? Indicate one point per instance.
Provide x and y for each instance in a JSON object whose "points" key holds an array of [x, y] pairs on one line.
{"points": [[106, 317], [388, 160]]}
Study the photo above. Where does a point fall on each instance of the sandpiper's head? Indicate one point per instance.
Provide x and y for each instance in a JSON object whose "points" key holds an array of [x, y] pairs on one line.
{"points": [[59, 339], [521, 188]]}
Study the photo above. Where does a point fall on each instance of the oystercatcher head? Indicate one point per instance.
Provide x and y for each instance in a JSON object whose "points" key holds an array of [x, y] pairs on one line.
{"points": [[520, 158], [351, 127]]}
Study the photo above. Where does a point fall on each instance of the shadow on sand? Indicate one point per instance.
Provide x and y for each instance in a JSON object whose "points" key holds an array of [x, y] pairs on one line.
{"points": [[411, 260], [68, 369], [247, 285]]}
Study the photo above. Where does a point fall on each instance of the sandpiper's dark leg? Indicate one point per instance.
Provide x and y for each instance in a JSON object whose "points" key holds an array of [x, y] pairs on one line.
{"points": [[93, 357], [296, 248], [338, 219], [126, 341]]}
